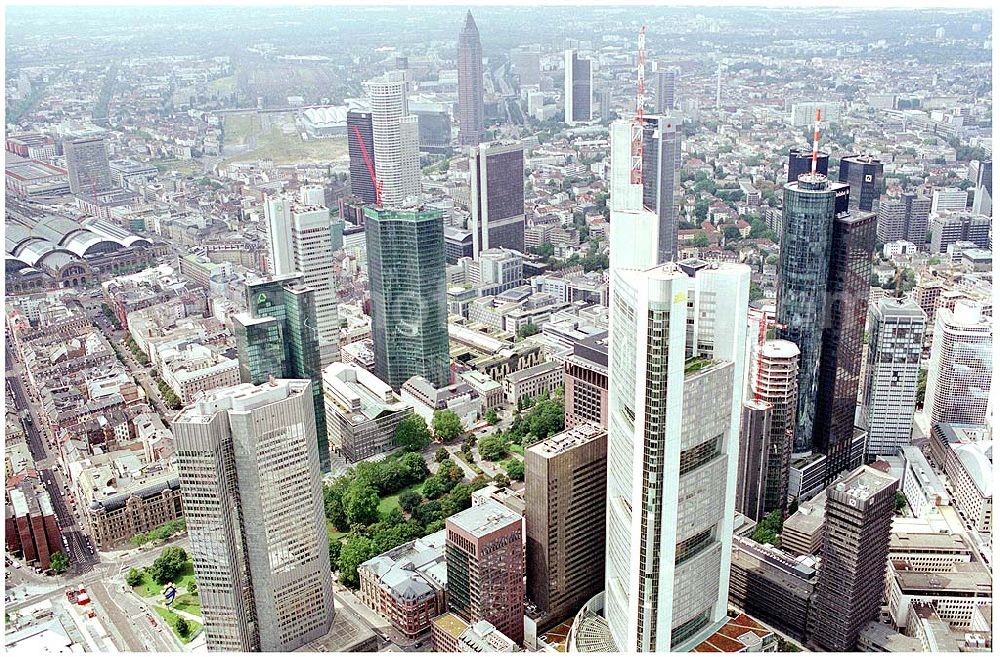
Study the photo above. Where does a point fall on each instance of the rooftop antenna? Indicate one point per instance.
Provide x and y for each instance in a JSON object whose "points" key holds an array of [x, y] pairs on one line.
{"points": [[815, 157], [640, 100]]}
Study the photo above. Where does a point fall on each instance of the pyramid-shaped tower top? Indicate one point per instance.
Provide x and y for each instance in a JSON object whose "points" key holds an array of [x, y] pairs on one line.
{"points": [[470, 23]]}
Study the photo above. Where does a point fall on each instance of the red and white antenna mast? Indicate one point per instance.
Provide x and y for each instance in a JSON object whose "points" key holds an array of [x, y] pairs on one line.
{"points": [[640, 100], [815, 157]]}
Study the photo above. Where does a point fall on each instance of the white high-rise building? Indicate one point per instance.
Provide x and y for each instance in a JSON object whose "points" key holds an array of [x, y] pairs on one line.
{"points": [[949, 199], [253, 500], [677, 364], [961, 366], [896, 327], [301, 241], [395, 138]]}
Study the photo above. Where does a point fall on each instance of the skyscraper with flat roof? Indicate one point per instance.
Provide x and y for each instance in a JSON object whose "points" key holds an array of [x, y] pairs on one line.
{"points": [[470, 84], [406, 273], [251, 486], [394, 137], [847, 293], [961, 367], [864, 174], [87, 165], [565, 478], [359, 143], [578, 89], [859, 510], [278, 338], [496, 196], [800, 161], [896, 327], [665, 88], [904, 218], [484, 549], [774, 379], [300, 241]]}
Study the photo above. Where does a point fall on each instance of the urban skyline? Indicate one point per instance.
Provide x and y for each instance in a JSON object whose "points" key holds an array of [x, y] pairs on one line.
{"points": [[498, 329]]}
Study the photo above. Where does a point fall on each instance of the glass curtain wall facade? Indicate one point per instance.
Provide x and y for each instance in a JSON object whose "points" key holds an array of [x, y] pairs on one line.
{"points": [[406, 271]]}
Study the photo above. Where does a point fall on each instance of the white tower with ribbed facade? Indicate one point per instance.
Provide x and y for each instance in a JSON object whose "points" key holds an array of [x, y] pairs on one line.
{"points": [[300, 241], [677, 372], [394, 136]]}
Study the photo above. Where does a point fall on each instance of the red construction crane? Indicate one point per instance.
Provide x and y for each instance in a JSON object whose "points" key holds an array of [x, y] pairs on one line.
{"points": [[763, 325], [640, 100], [371, 167]]}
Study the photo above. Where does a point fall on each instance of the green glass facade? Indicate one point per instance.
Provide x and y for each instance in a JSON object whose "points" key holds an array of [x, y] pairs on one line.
{"points": [[406, 271], [280, 339]]}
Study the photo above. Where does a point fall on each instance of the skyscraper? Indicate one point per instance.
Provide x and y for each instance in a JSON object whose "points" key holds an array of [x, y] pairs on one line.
{"points": [[948, 227], [982, 199], [578, 89], [395, 138], [470, 84], [250, 482], [278, 338], [677, 374], [864, 174], [803, 268], [300, 241], [849, 272], [362, 185], [526, 64], [406, 273], [484, 548], [774, 379], [87, 165], [859, 510], [565, 478], [661, 160], [665, 88], [904, 218], [496, 196], [800, 161], [961, 367], [896, 327], [754, 447]]}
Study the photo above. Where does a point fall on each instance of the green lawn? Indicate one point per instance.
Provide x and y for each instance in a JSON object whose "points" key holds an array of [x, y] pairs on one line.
{"points": [[390, 502], [150, 589], [273, 144], [517, 449], [171, 618], [332, 531], [187, 602]]}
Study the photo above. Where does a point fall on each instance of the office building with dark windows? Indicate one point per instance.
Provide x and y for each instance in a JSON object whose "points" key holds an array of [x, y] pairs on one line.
{"points": [[803, 269], [496, 196], [359, 144], [800, 161], [864, 175], [578, 89], [859, 509], [852, 245], [406, 272]]}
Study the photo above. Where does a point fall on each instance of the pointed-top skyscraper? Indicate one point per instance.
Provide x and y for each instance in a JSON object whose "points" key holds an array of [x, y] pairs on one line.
{"points": [[470, 84]]}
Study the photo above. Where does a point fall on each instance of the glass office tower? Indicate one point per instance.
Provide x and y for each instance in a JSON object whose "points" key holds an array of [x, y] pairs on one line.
{"points": [[406, 272]]}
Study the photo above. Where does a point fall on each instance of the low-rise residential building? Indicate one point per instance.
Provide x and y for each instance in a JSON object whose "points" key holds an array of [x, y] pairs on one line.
{"points": [[489, 391], [532, 382], [924, 490], [362, 412], [407, 585]]}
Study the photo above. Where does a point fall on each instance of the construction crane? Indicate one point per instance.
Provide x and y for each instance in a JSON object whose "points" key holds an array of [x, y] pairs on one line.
{"points": [[371, 167], [763, 324], [640, 100]]}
